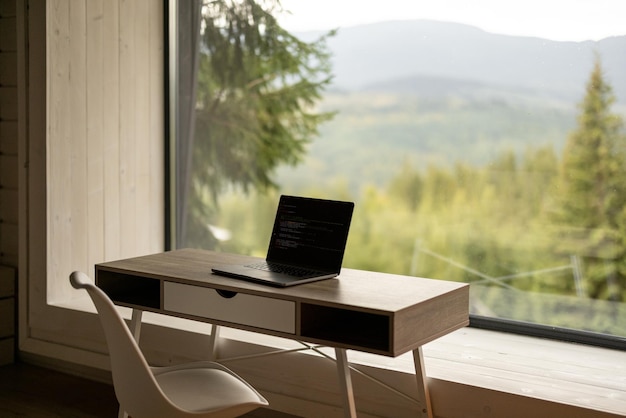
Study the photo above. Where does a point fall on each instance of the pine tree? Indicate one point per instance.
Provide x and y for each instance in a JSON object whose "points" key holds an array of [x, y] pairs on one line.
{"points": [[592, 190], [257, 89]]}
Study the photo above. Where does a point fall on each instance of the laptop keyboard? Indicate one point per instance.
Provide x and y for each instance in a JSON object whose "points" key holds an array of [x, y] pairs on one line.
{"points": [[285, 269]]}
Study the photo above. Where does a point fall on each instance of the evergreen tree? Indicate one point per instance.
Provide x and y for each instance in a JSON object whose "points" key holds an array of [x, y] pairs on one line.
{"points": [[257, 87], [592, 190]]}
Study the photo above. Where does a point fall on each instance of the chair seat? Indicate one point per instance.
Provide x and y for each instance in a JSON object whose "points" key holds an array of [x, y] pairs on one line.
{"points": [[207, 387]]}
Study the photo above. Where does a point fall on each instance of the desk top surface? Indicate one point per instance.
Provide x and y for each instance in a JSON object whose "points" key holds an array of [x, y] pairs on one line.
{"points": [[353, 288]]}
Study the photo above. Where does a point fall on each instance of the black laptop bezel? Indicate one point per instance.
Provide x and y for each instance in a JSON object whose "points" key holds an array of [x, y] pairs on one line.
{"points": [[327, 259]]}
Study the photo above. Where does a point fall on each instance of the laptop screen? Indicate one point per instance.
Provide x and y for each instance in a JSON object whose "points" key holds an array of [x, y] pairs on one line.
{"points": [[310, 232]]}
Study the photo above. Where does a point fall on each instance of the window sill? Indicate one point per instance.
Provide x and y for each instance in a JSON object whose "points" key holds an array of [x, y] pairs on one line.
{"points": [[558, 377]]}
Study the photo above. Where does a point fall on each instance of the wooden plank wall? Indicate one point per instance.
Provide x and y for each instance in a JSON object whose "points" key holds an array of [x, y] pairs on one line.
{"points": [[8, 179], [8, 134], [105, 134]]}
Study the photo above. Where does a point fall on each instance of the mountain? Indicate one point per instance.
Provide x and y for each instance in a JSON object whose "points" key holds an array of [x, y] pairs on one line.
{"points": [[379, 52], [433, 93]]}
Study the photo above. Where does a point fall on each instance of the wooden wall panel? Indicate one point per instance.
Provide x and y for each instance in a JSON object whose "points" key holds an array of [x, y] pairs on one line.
{"points": [[156, 115], [8, 135], [75, 229], [7, 8], [59, 142], [8, 170], [141, 59], [95, 87], [8, 110], [8, 68], [128, 75], [8, 179], [8, 208], [110, 129], [105, 134], [8, 34]]}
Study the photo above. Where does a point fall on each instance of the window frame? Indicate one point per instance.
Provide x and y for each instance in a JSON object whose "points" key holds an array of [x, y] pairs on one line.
{"points": [[549, 332], [477, 321]]}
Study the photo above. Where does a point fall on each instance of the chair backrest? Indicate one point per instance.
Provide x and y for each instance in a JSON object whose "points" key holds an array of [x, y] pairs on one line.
{"points": [[135, 386]]}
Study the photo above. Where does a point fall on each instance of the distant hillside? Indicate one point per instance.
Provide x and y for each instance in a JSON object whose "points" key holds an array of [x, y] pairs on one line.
{"points": [[375, 133], [374, 53], [424, 93]]}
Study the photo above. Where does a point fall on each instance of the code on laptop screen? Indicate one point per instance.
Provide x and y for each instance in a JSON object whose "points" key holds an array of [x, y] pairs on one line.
{"points": [[310, 232]]}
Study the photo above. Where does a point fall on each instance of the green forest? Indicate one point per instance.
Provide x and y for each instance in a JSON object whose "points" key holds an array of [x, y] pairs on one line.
{"points": [[499, 225]]}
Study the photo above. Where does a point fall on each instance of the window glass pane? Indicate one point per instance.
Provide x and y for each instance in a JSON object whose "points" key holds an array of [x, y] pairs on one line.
{"points": [[482, 142]]}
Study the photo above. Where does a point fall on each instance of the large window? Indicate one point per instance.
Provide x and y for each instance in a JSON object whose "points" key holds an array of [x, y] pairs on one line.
{"points": [[484, 146]]}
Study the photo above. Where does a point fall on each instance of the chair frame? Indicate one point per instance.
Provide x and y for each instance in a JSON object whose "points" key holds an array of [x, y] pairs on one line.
{"points": [[139, 387]]}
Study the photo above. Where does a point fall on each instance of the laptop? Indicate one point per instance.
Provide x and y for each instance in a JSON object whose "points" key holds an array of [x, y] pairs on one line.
{"points": [[307, 244]]}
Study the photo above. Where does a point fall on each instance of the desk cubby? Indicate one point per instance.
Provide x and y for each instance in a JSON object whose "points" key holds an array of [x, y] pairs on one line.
{"points": [[352, 328], [130, 289]]}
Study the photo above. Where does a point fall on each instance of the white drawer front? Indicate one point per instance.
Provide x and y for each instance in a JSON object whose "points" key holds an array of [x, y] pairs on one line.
{"points": [[250, 310]]}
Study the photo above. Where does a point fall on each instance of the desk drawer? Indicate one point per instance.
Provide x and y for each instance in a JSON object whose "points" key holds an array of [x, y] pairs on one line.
{"points": [[254, 311]]}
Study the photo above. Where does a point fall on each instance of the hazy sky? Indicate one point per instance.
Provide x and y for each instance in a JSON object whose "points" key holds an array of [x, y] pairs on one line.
{"points": [[562, 20]]}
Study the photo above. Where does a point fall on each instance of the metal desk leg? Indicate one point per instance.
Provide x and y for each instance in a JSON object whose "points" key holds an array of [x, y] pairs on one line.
{"points": [[422, 386], [135, 324], [345, 382], [215, 333]]}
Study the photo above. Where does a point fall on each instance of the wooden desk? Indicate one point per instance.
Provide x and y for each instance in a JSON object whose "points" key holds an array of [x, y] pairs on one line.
{"points": [[372, 312]]}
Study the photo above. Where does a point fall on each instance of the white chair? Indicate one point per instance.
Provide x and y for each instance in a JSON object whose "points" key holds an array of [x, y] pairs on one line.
{"points": [[201, 389]]}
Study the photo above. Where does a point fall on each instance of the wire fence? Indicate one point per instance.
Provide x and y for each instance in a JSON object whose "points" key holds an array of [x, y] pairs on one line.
{"points": [[574, 266]]}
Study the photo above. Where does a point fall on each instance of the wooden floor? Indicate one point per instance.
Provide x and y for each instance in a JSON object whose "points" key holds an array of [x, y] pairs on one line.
{"points": [[32, 391]]}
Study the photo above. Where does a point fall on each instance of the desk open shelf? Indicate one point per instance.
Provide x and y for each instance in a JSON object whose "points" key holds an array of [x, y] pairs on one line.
{"points": [[365, 330], [130, 289]]}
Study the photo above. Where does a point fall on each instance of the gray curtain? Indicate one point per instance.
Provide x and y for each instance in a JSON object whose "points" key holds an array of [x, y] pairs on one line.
{"points": [[188, 54]]}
